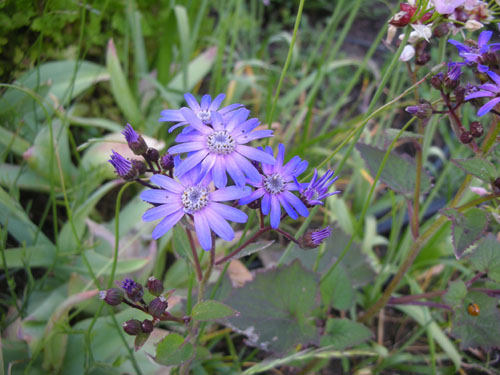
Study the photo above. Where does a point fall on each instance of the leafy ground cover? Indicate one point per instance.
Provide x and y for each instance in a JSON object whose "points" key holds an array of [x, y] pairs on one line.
{"points": [[362, 237]]}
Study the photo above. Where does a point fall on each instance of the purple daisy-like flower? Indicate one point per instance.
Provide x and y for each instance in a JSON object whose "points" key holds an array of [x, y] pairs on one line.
{"points": [[447, 6], [192, 196], [314, 192], [275, 187], [476, 54], [222, 148], [487, 90], [203, 111]]}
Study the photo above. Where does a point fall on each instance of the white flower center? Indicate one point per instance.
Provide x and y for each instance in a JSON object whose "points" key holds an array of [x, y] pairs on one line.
{"points": [[220, 142], [205, 116], [274, 184], [194, 198]]}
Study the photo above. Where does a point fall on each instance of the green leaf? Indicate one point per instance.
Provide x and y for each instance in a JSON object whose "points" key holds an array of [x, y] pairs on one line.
{"points": [[456, 293], [478, 167], [13, 142], [486, 257], [33, 256], [23, 178], [482, 330], [398, 173], [173, 350], [252, 248], [212, 310], [140, 340], [336, 290], [344, 333], [181, 243], [120, 88], [466, 228], [275, 308]]}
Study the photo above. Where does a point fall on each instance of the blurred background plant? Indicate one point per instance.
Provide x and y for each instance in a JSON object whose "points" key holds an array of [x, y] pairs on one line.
{"points": [[75, 72]]}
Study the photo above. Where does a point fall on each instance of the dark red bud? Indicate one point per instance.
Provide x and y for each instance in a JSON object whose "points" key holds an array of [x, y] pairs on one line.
{"points": [[113, 296], [158, 306], [132, 327], [466, 137], [155, 286], [152, 154], [147, 326], [476, 129]]}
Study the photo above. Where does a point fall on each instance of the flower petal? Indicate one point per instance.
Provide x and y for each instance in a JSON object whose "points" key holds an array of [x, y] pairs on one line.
{"points": [[217, 102], [250, 198], [495, 77], [194, 121], [289, 210], [192, 102], [191, 162], [255, 154], [171, 115], [245, 138], [248, 168], [159, 212], [219, 174], [230, 193], [166, 224], [234, 171], [202, 230], [158, 196], [484, 38], [167, 183], [479, 94], [296, 203], [275, 212], [229, 213], [488, 107], [219, 225], [186, 147], [205, 102]]}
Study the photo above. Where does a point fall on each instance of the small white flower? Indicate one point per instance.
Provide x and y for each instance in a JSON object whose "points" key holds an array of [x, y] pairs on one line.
{"points": [[407, 54], [391, 33], [473, 25], [479, 190], [421, 32]]}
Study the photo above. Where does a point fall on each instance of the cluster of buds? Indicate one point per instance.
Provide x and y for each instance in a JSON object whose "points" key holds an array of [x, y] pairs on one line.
{"points": [[131, 293], [132, 170], [475, 131]]}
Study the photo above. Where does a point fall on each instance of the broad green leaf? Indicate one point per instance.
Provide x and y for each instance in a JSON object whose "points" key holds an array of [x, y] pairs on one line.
{"points": [[140, 340], [18, 224], [23, 178], [212, 310], [399, 172], [102, 265], [275, 308], [13, 142], [478, 167], [466, 228], [456, 293], [120, 88], [173, 350], [181, 243], [482, 330], [344, 333], [71, 233], [336, 290], [486, 257], [33, 256]]}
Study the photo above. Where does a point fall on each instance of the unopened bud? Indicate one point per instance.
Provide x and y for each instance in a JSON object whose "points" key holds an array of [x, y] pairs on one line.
{"points": [[441, 30], [452, 77], [422, 111], [313, 238], [139, 166], [135, 141], [476, 129], [113, 296], [155, 286], [407, 54], [437, 81], [473, 25], [465, 137], [460, 94], [167, 162], [134, 290], [158, 306], [152, 154], [132, 327], [147, 326], [496, 185]]}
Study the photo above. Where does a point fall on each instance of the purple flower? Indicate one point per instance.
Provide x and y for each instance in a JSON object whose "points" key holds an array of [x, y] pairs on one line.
{"points": [[193, 197], [134, 290], [318, 236], [477, 54], [123, 167], [203, 111], [447, 6], [487, 90], [314, 192], [135, 141], [275, 187], [130, 134], [221, 148]]}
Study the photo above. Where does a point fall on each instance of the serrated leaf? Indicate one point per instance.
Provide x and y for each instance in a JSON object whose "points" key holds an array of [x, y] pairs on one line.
{"points": [[212, 310], [466, 228], [275, 308], [482, 330], [173, 350], [344, 333], [399, 172], [336, 290], [456, 293], [486, 257], [478, 167]]}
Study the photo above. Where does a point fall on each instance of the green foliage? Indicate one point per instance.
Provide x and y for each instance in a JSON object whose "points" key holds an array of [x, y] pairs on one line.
{"points": [[173, 350], [344, 333], [212, 310], [485, 257], [478, 167]]}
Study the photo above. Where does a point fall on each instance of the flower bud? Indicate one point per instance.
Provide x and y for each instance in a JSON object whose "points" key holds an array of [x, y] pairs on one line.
{"points": [[422, 111], [135, 141], [152, 154], [123, 167], [452, 76], [158, 306], [132, 327], [254, 205], [134, 290], [460, 94], [441, 30], [437, 81], [155, 286], [465, 137], [167, 162], [113, 296], [476, 129], [407, 54], [147, 326], [400, 19], [313, 238], [473, 25], [496, 185], [139, 166]]}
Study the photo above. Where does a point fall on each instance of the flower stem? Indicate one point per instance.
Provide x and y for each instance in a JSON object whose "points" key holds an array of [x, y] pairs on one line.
{"points": [[195, 255], [248, 242]]}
